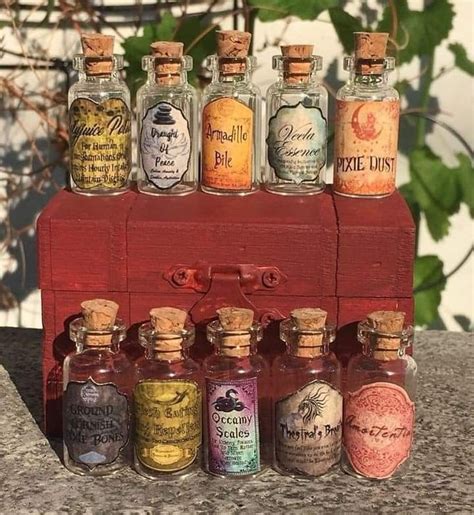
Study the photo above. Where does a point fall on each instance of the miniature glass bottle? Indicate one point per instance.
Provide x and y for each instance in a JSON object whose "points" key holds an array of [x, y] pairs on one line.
{"points": [[366, 124], [167, 123], [379, 409], [168, 398], [297, 106], [307, 399], [230, 152], [99, 121], [238, 406], [98, 383]]}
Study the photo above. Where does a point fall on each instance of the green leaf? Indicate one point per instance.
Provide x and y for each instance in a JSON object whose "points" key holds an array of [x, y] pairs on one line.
{"points": [[419, 32], [345, 25], [407, 192], [435, 188], [461, 60], [199, 41], [137, 46], [429, 282], [269, 10], [198, 38], [465, 174]]}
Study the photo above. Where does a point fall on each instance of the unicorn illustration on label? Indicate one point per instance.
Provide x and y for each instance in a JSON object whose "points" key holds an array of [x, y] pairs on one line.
{"points": [[229, 403]]}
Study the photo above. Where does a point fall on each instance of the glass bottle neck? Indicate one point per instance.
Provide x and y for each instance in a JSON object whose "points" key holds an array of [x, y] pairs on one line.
{"points": [[370, 81], [224, 78], [99, 79], [170, 80], [111, 347], [154, 354]]}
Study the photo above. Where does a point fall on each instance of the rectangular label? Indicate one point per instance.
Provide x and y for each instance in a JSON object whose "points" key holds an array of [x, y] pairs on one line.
{"points": [[232, 418], [227, 141], [365, 147]]}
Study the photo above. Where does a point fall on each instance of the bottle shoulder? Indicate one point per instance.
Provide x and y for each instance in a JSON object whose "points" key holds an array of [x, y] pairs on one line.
{"points": [[156, 369], [287, 363], [216, 90], [353, 92], [217, 363], [361, 364]]}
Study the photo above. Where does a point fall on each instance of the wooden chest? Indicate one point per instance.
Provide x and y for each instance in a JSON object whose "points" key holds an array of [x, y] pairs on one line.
{"points": [[266, 252]]}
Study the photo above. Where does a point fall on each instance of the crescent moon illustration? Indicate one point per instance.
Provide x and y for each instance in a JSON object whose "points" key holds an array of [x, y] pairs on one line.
{"points": [[366, 131]]}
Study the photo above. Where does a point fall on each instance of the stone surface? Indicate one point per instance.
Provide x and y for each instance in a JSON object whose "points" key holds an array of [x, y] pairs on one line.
{"points": [[33, 480]]}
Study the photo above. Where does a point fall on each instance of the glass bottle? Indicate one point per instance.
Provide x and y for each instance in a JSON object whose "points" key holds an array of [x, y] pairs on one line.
{"points": [[230, 152], [366, 124], [168, 398], [297, 106], [99, 121], [167, 123], [307, 399], [379, 409], [238, 405], [98, 383]]}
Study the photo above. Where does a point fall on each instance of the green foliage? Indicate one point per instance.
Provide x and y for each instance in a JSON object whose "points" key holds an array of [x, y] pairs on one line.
{"points": [[465, 173], [198, 39], [460, 58], [269, 10], [429, 282], [419, 32], [345, 25]]}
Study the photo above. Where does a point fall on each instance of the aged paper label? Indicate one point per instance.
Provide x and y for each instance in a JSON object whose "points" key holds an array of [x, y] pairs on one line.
{"points": [[165, 145], [365, 147], [232, 412], [100, 143], [168, 423], [227, 145], [296, 142], [308, 429], [96, 422], [378, 429]]}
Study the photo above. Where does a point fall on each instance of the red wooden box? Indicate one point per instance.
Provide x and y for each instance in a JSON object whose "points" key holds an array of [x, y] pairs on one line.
{"points": [[267, 252]]}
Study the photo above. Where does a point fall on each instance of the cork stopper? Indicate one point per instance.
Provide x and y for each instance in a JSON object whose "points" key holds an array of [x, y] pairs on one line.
{"points": [[98, 50], [386, 322], [168, 61], [168, 321], [99, 315], [236, 320], [297, 65], [232, 50], [309, 319], [370, 49]]}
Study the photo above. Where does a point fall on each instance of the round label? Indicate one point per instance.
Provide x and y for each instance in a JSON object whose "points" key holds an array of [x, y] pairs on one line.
{"points": [[378, 429], [165, 145], [296, 142]]}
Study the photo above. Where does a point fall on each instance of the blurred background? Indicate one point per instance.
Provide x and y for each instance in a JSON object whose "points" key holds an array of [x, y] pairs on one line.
{"points": [[431, 39]]}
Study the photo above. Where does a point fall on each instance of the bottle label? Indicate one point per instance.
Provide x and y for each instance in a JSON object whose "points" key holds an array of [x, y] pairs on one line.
{"points": [[296, 142], [168, 423], [96, 422], [232, 411], [308, 429], [227, 140], [366, 143], [165, 145], [100, 142], [378, 429]]}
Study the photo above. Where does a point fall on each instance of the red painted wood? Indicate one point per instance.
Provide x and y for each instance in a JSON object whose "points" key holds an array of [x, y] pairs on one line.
{"points": [[82, 242], [376, 247], [121, 247], [297, 235]]}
